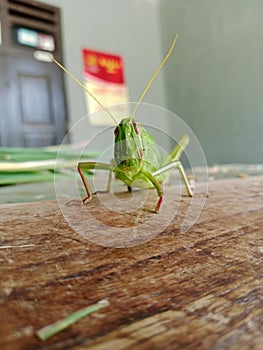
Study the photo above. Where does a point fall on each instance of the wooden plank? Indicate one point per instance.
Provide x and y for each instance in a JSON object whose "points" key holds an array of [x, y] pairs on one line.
{"points": [[200, 289]]}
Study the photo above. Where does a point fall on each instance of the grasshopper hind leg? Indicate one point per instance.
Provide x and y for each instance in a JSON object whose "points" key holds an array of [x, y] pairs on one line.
{"points": [[176, 164], [183, 175]]}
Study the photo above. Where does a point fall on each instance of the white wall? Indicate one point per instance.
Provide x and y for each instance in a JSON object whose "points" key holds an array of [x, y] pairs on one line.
{"points": [[215, 80]]}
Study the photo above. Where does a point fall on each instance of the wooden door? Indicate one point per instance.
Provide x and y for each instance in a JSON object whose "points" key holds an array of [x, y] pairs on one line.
{"points": [[34, 113], [32, 100]]}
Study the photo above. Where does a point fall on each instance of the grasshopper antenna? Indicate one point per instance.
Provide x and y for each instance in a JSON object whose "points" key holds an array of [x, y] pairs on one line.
{"points": [[83, 87], [154, 76]]}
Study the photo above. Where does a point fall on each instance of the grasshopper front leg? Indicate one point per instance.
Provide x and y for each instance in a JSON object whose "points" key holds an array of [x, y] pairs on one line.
{"points": [[145, 174], [91, 166]]}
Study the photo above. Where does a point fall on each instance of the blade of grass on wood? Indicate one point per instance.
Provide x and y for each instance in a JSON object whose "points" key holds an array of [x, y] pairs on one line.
{"points": [[54, 328]]}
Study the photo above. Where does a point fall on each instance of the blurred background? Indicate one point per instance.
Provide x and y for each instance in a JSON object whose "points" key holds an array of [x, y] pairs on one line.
{"points": [[213, 80]]}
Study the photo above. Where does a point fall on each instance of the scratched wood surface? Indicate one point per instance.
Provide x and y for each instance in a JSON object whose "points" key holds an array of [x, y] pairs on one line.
{"points": [[199, 289]]}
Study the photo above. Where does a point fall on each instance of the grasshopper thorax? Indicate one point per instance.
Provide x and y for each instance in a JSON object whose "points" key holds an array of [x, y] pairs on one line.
{"points": [[128, 149]]}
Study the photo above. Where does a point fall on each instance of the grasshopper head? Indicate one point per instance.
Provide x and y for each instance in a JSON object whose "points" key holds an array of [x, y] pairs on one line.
{"points": [[128, 150]]}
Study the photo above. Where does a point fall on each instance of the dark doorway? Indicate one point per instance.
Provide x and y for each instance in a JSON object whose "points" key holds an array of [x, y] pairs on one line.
{"points": [[32, 98]]}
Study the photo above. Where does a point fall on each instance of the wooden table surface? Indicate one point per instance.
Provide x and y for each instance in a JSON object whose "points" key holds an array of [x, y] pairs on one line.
{"points": [[200, 289]]}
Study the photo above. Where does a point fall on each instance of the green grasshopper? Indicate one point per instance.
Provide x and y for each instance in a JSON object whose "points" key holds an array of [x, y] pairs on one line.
{"points": [[136, 157]]}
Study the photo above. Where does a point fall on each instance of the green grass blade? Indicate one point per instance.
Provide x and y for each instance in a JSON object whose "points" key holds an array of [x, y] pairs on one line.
{"points": [[24, 160], [54, 328], [25, 177]]}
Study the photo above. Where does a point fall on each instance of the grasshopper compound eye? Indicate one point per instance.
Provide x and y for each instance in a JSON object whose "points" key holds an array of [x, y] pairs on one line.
{"points": [[137, 128], [116, 131]]}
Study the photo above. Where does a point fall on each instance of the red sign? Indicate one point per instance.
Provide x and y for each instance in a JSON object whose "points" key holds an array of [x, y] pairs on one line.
{"points": [[104, 79], [103, 66]]}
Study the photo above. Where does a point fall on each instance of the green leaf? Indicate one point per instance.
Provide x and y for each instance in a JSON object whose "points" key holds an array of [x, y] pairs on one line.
{"points": [[25, 165]]}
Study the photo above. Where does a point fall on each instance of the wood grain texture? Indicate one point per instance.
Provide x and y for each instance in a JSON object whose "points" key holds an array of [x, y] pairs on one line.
{"points": [[200, 289]]}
